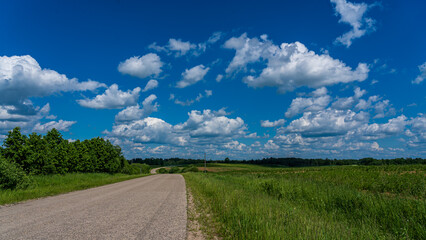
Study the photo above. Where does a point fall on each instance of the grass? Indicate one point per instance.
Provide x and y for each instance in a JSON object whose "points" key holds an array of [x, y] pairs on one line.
{"points": [[49, 185], [343, 202]]}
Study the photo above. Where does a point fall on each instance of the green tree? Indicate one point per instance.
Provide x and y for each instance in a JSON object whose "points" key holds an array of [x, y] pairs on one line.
{"points": [[15, 146], [37, 154]]}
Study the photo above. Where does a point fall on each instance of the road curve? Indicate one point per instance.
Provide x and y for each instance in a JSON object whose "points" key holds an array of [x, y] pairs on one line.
{"points": [[152, 207]]}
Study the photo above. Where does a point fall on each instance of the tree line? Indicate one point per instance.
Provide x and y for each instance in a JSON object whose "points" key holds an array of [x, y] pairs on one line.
{"points": [[285, 162], [23, 155]]}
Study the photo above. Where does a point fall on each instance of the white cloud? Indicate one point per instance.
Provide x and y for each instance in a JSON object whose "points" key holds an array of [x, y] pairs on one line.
{"points": [[112, 98], [375, 131], [347, 103], [270, 145], [25, 116], [133, 113], [219, 77], [212, 124], [267, 123], [207, 93], [142, 67], [216, 36], [353, 14], [147, 130], [151, 84], [22, 77], [422, 75], [182, 48], [235, 145], [60, 125], [329, 122], [318, 102], [192, 76], [290, 65]]}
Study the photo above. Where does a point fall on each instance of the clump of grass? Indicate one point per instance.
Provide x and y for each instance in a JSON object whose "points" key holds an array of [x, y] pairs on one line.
{"points": [[310, 203], [49, 185]]}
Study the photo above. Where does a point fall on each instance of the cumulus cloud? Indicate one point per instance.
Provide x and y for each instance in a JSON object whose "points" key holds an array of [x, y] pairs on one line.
{"points": [[11, 118], [354, 15], [142, 67], [192, 76], [317, 102], [417, 131], [21, 77], [136, 112], [422, 75], [147, 130], [60, 125], [394, 126], [112, 98], [267, 123], [329, 122], [209, 124], [151, 84], [290, 65]]}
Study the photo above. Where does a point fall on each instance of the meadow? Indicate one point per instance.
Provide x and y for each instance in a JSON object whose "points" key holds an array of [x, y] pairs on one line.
{"points": [[335, 202]]}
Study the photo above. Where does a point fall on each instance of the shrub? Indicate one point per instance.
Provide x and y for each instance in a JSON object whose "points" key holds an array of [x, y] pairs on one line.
{"points": [[162, 170], [12, 176], [131, 169], [144, 168], [174, 170]]}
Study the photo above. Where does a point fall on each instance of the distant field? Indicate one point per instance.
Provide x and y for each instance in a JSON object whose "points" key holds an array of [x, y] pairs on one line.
{"points": [[339, 202], [49, 185]]}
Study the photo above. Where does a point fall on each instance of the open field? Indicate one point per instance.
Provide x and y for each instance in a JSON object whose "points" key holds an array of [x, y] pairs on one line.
{"points": [[339, 202], [49, 185]]}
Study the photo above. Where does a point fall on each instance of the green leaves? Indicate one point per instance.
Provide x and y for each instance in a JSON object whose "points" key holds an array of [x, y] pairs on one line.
{"points": [[52, 154]]}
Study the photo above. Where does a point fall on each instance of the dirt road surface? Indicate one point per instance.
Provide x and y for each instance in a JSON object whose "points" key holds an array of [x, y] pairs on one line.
{"points": [[152, 207]]}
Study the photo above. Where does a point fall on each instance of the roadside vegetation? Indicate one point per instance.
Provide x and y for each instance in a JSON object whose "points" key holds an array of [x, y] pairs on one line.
{"points": [[34, 166], [337, 202]]}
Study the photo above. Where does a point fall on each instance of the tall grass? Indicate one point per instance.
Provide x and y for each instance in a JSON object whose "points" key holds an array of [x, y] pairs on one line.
{"points": [[348, 202], [48, 185]]}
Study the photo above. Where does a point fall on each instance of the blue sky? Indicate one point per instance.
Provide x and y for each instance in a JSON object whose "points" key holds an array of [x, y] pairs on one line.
{"points": [[240, 79]]}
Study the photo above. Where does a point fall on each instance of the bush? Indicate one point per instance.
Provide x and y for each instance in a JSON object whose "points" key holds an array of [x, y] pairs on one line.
{"points": [[131, 169], [144, 168], [174, 170], [12, 176], [162, 170]]}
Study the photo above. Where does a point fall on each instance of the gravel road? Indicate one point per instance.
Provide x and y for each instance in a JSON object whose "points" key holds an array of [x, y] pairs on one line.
{"points": [[152, 207]]}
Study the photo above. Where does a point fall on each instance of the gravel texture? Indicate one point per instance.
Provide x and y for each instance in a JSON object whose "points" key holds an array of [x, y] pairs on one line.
{"points": [[152, 207]]}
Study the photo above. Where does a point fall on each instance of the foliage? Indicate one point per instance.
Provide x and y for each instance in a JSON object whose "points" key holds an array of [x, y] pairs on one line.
{"points": [[52, 154], [12, 176], [342, 202], [162, 170], [283, 162], [174, 170]]}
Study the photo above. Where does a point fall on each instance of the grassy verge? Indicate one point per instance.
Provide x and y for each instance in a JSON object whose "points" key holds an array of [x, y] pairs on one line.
{"points": [[49, 185], [347, 202]]}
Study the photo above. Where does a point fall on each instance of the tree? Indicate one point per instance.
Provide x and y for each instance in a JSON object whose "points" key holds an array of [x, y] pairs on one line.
{"points": [[14, 146], [37, 155]]}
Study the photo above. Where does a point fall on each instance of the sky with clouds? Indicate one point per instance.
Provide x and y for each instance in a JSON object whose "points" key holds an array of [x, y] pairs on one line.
{"points": [[241, 79]]}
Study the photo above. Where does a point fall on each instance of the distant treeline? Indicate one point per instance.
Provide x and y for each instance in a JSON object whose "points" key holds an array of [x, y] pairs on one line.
{"points": [[22, 156], [286, 162]]}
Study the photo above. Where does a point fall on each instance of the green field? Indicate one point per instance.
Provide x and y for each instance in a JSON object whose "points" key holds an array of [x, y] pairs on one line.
{"points": [[339, 202], [48, 185]]}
